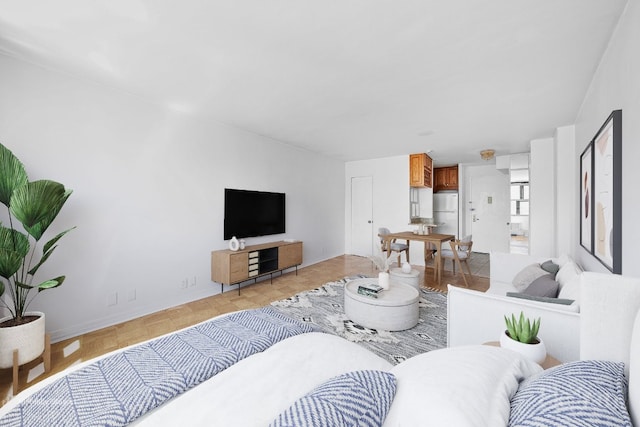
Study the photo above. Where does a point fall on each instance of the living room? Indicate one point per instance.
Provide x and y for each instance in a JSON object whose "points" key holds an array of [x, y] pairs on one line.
{"points": [[148, 184]]}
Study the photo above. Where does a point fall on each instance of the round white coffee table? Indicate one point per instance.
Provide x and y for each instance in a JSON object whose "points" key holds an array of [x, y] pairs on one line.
{"points": [[395, 309]]}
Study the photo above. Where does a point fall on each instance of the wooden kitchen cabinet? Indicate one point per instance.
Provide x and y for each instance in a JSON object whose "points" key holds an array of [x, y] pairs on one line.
{"points": [[445, 178], [420, 170]]}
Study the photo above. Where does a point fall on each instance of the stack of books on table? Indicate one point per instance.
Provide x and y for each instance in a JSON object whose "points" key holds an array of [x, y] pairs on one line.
{"points": [[370, 289]]}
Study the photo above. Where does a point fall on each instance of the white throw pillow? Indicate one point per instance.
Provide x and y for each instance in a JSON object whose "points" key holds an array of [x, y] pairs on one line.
{"points": [[567, 273], [571, 290], [458, 386], [562, 260], [527, 275]]}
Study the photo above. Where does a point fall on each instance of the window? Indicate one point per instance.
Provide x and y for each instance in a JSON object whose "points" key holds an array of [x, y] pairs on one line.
{"points": [[519, 199]]}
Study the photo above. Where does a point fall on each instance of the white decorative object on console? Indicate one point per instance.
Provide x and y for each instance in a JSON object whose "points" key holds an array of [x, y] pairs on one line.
{"points": [[234, 244]]}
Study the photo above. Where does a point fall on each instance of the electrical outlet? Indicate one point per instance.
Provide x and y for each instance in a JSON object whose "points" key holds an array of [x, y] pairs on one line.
{"points": [[194, 281], [184, 284], [112, 299]]}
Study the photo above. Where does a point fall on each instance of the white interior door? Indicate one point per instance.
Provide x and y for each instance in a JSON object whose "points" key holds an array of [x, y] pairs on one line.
{"points": [[490, 213], [362, 215]]}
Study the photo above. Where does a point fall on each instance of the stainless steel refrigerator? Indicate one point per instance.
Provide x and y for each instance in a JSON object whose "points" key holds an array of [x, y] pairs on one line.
{"points": [[445, 213]]}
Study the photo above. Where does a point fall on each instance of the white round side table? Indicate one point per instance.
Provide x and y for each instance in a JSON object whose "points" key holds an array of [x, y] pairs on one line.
{"points": [[396, 275]]}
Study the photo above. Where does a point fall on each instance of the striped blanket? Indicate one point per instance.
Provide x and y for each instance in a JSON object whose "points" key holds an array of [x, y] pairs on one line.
{"points": [[119, 388]]}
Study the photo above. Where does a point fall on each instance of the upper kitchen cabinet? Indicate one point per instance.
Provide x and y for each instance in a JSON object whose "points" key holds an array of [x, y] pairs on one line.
{"points": [[420, 170], [446, 179]]}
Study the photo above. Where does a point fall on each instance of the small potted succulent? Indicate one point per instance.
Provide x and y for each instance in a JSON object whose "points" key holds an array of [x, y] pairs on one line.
{"points": [[521, 335]]}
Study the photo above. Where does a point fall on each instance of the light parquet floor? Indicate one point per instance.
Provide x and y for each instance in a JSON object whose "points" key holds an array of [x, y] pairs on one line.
{"points": [[92, 344]]}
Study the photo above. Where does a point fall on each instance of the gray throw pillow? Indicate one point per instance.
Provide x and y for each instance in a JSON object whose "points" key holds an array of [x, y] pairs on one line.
{"points": [[543, 286], [527, 275], [551, 267]]}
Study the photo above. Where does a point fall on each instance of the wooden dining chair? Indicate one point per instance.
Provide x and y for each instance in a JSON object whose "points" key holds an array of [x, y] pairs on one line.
{"points": [[390, 246], [459, 253]]}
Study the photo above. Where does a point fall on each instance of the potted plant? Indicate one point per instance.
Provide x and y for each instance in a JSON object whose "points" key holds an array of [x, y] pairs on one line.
{"points": [[521, 335], [31, 208]]}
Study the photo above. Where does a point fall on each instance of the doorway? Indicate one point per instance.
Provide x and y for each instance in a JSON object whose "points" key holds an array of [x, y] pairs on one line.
{"points": [[489, 210], [519, 228], [362, 215]]}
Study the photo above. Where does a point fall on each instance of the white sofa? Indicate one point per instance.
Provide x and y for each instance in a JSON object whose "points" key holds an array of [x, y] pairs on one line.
{"points": [[477, 317]]}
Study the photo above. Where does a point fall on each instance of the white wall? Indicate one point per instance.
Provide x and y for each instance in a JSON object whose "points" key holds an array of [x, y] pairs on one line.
{"points": [[148, 194], [566, 194], [390, 198], [616, 85], [542, 212]]}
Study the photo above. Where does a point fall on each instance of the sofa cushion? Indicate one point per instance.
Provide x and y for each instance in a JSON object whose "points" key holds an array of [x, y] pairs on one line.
{"points": [[551, 267], [543, 286], [560, 303], [527, 275], [567, 272], [571, 290]]}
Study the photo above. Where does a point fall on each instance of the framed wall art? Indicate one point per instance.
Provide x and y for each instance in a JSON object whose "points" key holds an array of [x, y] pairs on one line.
{"points": [[586, 198], [606, 213]]}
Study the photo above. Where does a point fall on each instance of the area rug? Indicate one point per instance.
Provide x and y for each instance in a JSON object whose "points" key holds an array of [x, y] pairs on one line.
{"points": [[324, 307]]}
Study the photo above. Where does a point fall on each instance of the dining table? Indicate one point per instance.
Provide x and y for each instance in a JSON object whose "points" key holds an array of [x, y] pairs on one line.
{"points": [[434, 239]]}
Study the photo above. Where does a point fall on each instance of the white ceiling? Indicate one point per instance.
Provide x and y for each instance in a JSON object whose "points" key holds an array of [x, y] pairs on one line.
{"points": [[352, 79]]}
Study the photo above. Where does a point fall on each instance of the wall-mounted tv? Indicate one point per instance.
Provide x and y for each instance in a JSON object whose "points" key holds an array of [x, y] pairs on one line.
{"points": [[253, 213]]}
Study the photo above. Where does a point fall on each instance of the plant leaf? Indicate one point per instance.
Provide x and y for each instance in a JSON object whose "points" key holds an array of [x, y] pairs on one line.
{"points": [[48, 250], [37, 204], [12, 174], [14, 246], [50, 284], [24, 285]]}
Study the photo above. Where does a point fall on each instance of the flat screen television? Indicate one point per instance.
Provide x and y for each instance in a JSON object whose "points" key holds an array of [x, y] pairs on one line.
{"points": [[253, 213]]}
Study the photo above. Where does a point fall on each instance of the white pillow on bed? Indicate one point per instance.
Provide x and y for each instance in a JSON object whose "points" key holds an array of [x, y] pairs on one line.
{"points": [[458, 386]]}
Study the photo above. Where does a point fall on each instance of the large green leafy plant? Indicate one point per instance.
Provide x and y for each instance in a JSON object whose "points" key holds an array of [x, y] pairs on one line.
{"points": [[33, 206]]}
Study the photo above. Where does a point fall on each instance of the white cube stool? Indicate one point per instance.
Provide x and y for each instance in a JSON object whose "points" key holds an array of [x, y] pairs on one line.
{"points": [[397, 276]]}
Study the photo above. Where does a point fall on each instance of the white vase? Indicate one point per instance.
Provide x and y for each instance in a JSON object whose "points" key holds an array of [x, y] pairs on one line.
{"points": [[536, 352], [28, 339], [406, 268], [383, 280], [234, 244]]}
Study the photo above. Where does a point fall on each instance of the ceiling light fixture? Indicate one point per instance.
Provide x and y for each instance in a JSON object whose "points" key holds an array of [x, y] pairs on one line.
{"points": [[487, 154]]}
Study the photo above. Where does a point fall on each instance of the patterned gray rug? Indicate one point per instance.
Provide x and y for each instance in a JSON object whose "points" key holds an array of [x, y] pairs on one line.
{"points": [[324, 307]]}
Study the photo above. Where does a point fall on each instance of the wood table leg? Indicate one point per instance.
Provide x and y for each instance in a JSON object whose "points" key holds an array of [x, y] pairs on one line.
{"points": [[15, 372], [439, 261], [46, 356]]}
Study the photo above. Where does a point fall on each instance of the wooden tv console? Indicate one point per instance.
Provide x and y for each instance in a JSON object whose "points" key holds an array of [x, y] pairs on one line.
{"points": [[234, 267]]}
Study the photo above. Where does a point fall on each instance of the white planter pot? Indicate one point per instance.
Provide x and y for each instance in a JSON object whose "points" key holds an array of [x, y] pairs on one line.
{"points": [[535, 352], [28, 339]]}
